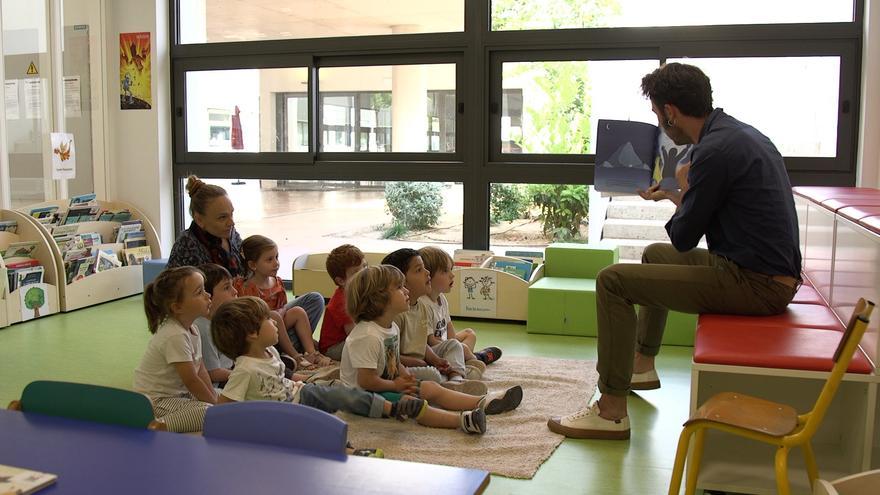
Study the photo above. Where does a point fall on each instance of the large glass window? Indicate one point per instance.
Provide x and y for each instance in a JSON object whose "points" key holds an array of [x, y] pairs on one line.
{"points": [[553, 107], [567, 14], [316, 216], [217, 21], [530, 216], [234, 110], [409, 108], [792, 100]]}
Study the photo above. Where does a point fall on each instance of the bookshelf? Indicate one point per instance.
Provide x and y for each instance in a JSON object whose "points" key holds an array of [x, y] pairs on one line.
{"points": [[102, 286], [486, 292], [10, 302]]}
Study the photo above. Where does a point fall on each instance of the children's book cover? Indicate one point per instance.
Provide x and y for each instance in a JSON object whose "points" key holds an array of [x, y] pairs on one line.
{"points": [[135, 92], [633, 156]]}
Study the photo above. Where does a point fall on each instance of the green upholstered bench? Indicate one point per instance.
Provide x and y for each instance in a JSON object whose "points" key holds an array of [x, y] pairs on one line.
{"points": [[563, 300]]}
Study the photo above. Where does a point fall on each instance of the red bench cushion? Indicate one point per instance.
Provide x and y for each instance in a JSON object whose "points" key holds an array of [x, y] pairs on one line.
{"points": [[821, 193], [796, 315], [793, 348], [807, 295], [871, 223], [836, 204]]}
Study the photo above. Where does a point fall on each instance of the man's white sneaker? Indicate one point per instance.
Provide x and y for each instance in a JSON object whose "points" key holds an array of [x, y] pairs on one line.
{"points": [[645, 381], [587, 423]]}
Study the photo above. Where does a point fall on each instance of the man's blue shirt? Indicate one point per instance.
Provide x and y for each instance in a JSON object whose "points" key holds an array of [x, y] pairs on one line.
{"points": [[740, 198]]}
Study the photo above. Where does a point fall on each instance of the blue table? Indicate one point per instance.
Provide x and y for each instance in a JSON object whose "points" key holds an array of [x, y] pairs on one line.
{"points": [[102, 459]]}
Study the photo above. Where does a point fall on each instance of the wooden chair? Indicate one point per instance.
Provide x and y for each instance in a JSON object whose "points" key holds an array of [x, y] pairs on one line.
{"points": [[766, 421], [278, 423], [88, 403]]}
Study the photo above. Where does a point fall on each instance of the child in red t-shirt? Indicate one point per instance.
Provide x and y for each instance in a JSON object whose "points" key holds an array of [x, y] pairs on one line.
{"points": [[343, 262]]}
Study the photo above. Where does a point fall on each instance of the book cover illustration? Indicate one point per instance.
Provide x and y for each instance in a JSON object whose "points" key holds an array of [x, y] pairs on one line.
{"points": [[23, 481], [106, 261], [633, 156], [34, 301], [30, 275], [469, 257], [23, 249], [522, 269]]}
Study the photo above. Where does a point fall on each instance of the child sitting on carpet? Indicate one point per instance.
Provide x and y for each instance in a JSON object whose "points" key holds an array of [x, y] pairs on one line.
{"points": [[300, 317], [439, 264], [448, 358], [242, 328], [371, 357], [343, 262]]}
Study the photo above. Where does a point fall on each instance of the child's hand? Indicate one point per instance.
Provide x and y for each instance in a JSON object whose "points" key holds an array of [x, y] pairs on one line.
{"points": [[442, 366], [406, 384]]}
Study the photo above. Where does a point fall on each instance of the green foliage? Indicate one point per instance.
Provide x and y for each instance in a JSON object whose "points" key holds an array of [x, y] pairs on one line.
{"points": [[414, 205], [563, 208], [561, 123], [507, 202], [396, 231], [551, 14]]}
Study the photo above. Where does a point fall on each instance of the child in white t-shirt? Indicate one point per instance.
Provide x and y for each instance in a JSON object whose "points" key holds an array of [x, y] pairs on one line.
{"points": [[371, 356], [439, 265], [244, 329], [172, 373]]}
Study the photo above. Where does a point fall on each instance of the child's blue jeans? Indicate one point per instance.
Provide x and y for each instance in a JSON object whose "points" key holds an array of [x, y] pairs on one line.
{"points": [[341, 398]]}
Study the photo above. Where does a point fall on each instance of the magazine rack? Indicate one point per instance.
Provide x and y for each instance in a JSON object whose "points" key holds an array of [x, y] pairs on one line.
{"points": [[502, 296], [10, 302], [103, 286]]}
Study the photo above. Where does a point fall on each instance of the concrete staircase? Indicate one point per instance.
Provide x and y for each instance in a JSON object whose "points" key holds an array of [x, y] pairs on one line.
{"points": [[633, 223]]}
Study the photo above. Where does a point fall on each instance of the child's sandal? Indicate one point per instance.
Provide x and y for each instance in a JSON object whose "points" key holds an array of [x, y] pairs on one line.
{"points": [[318, 359]]}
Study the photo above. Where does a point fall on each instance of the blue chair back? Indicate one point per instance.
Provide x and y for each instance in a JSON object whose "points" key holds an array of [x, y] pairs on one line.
{"points": [[279, 424]]}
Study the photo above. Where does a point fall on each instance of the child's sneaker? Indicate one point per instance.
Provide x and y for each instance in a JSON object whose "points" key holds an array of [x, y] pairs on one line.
{"points": [[476, 363], [489, 355], [369, 453], [470, 387], [473, 373], [499, 402], [473, 421], [408, 407]]}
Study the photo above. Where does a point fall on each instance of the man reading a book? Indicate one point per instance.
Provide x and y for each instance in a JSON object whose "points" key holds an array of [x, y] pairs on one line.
{"points": [[737, 193]]}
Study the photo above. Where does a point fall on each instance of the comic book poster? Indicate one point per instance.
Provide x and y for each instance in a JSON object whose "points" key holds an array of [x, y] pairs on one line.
{"points": [[134, 71]]}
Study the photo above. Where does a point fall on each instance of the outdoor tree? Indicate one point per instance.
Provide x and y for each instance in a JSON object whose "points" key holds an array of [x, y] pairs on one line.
{"points": [[34, 299], [563, 208]]}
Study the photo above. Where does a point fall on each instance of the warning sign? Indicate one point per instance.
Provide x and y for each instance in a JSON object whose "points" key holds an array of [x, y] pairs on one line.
{"points": [[32, 70]]}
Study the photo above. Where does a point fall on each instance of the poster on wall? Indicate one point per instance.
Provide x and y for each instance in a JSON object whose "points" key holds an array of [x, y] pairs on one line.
{"points": [[134, 72], [478, 292], [63, 156]]}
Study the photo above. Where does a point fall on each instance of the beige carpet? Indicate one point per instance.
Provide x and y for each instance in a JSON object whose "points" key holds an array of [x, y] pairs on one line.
{"points": [[516, 443]]}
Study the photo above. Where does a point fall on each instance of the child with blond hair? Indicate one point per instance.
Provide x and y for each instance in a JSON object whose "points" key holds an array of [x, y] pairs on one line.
{"points": [[342, 263], [299, 317], [371, 357], [439, 265], [244, 330]]}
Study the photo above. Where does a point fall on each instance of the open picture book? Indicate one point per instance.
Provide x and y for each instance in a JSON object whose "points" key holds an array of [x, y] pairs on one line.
{"points": [[633, 156], [23, 481]]}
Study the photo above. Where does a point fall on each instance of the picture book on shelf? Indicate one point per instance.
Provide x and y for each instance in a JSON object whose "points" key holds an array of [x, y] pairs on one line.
{"points": [[533, 256], [23, 249], [522, 269], [633, 156], [10, 226], [106, 261], [83, 198], [30, 275], [469, 257], [43, 211], [137, 255], [23, 481]]}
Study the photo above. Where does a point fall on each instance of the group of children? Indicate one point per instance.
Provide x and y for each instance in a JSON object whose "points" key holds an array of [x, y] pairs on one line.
{"points": [[388, 325]]}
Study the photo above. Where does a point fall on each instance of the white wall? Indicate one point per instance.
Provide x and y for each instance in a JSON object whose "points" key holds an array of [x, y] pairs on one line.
{"points": [[139, 141], [869, 135]]}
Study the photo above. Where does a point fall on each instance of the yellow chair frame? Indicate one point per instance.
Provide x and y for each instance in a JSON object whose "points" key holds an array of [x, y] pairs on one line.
{"points": [[766, 421]]}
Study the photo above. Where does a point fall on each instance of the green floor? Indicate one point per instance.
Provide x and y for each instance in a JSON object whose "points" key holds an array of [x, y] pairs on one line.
{"points": [[103, 344]]}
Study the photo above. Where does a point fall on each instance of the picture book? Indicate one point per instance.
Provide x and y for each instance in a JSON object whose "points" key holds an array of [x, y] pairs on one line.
{"points": [[470, 257], [64, 230], [106, 261], [31, 275], [23, 249], [43, 211], [10, 226], [83, 198], [633, 156], [522, 269], [137, 255], [23, 481], [533, 256]]}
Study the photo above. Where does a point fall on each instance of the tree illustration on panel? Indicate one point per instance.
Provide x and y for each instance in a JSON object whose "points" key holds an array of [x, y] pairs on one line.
{"points": [[34, 299]]}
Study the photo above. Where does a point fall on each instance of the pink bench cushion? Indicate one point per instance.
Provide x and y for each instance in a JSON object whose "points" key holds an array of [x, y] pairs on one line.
{"points": [[796, 315], [836, 204], [856, 213], [779, 347], [807, 295], [821, 193], [871, 223]]}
